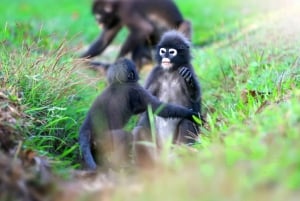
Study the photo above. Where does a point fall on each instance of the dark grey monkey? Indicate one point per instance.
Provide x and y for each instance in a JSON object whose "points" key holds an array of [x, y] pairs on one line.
{"points": [[173, 81], [145, 20]]}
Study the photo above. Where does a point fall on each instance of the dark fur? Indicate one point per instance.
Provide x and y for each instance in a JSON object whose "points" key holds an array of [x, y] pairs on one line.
{"points": [[145, 20], [177, 84], [101, 135]]}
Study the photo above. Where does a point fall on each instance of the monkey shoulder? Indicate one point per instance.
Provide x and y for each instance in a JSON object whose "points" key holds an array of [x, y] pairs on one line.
{"points": [[113, 93]]}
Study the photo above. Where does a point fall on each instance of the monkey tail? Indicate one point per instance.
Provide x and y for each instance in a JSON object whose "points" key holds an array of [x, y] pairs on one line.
{"points": [[85, 146]]}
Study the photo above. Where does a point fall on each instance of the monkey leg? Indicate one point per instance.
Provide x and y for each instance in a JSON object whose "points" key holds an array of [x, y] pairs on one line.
{"points": [[187, 132], [140, 55], [139, 30], [144, 149]]}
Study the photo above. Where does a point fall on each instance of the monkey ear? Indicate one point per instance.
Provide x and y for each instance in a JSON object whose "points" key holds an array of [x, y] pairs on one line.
{"points": [[131, 76]]}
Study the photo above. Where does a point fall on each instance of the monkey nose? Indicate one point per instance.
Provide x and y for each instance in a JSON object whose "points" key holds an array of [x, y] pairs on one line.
{"points": [[166, 60]]}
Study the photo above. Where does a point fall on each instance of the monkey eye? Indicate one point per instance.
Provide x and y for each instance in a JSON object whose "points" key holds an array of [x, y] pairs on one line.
{"points": [[172, 52], [162, 51]]}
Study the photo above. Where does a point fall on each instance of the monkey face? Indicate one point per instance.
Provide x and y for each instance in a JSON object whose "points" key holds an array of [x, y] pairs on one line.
{"points": [[172, 57], [167, 55], [104, 13], [173, 50]]}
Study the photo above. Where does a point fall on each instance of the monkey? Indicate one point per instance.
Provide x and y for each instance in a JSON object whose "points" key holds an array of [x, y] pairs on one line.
{"points": [[173, 81], [101, 136], [145, 20]]}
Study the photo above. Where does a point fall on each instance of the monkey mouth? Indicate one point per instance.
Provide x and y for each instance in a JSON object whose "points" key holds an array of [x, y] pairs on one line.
{"points": [[166, 63]]}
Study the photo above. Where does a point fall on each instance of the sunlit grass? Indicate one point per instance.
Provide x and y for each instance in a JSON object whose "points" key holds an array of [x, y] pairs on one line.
{"points": [[48, 82]]}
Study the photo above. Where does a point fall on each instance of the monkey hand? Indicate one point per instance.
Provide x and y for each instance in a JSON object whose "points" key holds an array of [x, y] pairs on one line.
{"points": [[186, 74]]}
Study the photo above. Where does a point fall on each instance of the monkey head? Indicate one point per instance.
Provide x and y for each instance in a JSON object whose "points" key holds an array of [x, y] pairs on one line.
{"points": [[173, 50], [122, 71], [104, 12]]}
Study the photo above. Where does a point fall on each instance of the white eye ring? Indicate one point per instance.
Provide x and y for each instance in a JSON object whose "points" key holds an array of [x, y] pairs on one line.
{"points": [[162, 51], [172, 52]]}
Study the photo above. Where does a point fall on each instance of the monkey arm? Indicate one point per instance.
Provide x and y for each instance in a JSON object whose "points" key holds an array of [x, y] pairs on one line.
{"points": [[139, 99], [196, 97], [192, 83], [168, 110], [194, 89], [102, 42], [174, 111]]}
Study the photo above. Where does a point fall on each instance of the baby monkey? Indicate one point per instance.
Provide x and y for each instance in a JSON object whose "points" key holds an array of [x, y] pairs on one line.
{"points": [[101, 137]]}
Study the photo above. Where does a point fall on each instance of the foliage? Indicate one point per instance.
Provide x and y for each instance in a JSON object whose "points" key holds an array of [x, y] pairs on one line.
{"points": [[45, 76]]}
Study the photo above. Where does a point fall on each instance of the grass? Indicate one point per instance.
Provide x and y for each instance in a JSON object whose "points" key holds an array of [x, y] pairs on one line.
{"points": [[249, 71]]}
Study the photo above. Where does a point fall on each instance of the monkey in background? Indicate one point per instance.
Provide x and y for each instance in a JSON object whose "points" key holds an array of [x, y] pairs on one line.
{"points": [[102, 139], [173, 81], [145, 20]]}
